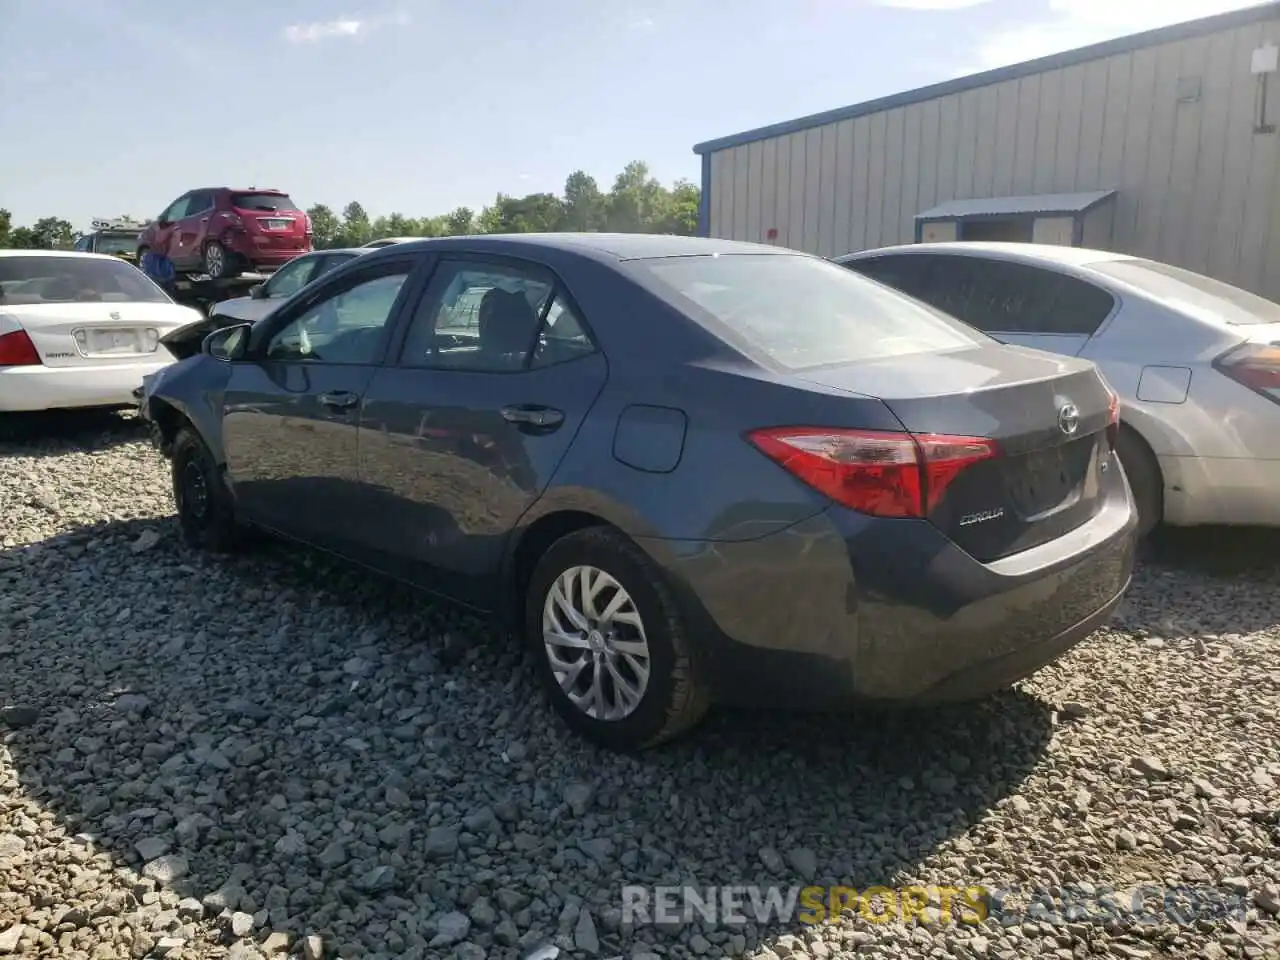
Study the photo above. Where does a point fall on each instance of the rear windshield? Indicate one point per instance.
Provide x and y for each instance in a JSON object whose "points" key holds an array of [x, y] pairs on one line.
{"points": [[1192, 291], [262, 201], [116, 243], [74, 279], [803, 312]]}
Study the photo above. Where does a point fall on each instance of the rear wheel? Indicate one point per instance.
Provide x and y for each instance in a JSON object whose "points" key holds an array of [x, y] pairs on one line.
{"points": [[611, 646], [205, 508], [219, 262], [1143, 472]]}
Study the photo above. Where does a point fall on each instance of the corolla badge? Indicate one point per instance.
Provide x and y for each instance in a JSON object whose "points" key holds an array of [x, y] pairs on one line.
{"points": [[981, 517], [1068, 418]]}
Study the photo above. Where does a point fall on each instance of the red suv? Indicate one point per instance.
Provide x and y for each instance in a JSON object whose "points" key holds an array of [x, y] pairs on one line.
{"points": [[224, 232]]}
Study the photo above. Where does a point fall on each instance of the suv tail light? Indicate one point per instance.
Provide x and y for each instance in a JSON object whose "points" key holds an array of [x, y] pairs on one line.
{"points": [[875, 472], [1254, 365], [306, 219], [17, 350]]}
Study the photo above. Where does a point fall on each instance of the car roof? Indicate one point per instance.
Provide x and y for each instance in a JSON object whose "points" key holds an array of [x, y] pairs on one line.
{"points": [[319, 253], [600, 246], [57, 253], [1028, 252]]}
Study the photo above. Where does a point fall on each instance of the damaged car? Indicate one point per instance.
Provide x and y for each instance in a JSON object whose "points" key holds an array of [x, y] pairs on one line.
{"points": [[683, 471]]}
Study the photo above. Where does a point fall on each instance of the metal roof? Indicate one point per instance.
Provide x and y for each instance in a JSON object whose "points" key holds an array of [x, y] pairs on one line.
{"points": [[1256, 13], [1013, 206]]}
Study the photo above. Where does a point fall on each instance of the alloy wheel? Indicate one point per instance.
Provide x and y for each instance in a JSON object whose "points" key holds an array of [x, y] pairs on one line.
{"points": [[595, 643], [214, 260]]}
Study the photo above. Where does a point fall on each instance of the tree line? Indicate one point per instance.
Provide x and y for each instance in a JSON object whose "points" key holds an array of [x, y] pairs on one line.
{"points": [[635, 203]]}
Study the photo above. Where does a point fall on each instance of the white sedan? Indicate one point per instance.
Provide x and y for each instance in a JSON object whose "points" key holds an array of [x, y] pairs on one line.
{"points": [[79, 330], [1196, 361]]}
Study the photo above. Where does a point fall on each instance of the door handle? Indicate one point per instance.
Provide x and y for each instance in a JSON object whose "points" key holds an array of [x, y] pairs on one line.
{"points": [[204, 219], [533, 416], [341, 399]]}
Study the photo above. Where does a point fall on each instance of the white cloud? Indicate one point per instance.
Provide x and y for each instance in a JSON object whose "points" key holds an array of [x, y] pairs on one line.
{"points": [[931, 4], [644, 23], [325, 30], [339, 28], [1078, 23]]}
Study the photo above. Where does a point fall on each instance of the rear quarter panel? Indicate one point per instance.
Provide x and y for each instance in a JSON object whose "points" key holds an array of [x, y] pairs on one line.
{"points": [[1217, 418]]}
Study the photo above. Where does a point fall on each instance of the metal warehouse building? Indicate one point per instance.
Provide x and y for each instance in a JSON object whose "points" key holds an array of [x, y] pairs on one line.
{"points": [[1163, 145]]}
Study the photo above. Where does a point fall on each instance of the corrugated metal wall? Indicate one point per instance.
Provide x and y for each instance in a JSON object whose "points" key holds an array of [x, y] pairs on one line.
{"points": [[1197, 186]]}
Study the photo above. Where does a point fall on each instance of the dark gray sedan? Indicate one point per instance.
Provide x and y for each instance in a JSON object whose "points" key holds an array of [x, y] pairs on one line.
{"points": [[685, 471]]}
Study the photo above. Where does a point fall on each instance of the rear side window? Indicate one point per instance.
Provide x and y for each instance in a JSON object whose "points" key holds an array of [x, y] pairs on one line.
{"points": [[907, 272], [34, 280], [1188, 290], [262, 201], [801, 312]]}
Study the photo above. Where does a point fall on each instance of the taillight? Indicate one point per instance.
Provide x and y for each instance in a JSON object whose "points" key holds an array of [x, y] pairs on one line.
{"points": [[875, 472], [1254, 365], [306, 219], [17, 350], [1113, 417]]}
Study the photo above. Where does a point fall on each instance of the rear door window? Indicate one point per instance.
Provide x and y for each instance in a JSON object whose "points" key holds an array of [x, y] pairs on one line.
{"points": [[801, 312], [905, 272]]}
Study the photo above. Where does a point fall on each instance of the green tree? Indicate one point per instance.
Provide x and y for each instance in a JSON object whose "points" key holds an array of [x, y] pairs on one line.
{"points": [[356, 229], [585, 207], [324, 227], [6, 224], [460, 223], [54, 233], [637, 202]]}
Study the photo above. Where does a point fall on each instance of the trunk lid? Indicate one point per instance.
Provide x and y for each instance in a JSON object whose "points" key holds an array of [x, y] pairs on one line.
{"points": [[1049, 414], [273, 219], [87, 334]]}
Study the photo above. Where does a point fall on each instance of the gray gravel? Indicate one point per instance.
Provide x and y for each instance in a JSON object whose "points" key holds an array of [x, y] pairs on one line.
{"points": [[274, 755]]}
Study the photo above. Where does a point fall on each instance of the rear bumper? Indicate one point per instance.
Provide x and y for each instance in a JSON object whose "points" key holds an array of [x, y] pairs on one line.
{"points": [[842, 609], [1212, 490], [32, 389]]}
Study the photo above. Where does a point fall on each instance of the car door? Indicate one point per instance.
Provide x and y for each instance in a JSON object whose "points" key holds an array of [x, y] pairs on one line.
{"points": [[292, 407], [460, 433], [189, 229], [166, 226]]}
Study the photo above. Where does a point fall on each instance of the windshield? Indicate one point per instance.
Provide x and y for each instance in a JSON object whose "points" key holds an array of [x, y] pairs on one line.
{"points": [[116, 243], [1193, 292], [74, 279], [802, 312], [262, 201]]}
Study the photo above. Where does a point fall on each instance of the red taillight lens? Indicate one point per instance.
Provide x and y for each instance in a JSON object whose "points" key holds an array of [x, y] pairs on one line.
{"points": [[307, 220], [17, 350], [871, 471], [1113, 417], [1254, 365]]}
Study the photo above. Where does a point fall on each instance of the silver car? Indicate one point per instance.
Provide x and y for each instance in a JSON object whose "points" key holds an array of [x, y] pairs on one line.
{"points": [[283, 284], [1196, 361]]}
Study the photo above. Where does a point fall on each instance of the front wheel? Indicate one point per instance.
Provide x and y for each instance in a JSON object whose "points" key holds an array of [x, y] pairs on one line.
{"points": [[219, 262], [610, 643], [205, 508]]}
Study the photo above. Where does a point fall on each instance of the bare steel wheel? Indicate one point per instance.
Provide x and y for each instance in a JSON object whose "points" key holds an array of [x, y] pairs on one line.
{"points": [[595, 643], [610, 642]]}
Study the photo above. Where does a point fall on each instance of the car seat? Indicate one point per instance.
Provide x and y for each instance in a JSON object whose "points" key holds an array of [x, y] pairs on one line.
{"points": [[506, 327]]}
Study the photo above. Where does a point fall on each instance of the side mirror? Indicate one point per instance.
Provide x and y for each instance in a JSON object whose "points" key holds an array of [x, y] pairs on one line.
{"points": [[258, 291], [229, 343]]}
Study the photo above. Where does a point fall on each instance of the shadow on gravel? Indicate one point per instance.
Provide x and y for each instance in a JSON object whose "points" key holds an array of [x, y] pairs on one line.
{"points": [[332, 754], [53, 432], [1218, 551]]}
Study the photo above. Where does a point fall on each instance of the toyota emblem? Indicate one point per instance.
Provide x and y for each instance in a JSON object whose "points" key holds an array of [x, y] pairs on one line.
{"points": [[1068, 418]]}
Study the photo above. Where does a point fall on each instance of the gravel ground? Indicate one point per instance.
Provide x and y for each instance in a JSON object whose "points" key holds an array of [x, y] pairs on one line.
{"points": [[274, 754]]}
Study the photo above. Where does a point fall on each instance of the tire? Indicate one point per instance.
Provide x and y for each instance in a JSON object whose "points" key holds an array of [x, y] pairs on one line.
{"points": [[207, 521], [1143, 472], [219, 262], [672, 701]]}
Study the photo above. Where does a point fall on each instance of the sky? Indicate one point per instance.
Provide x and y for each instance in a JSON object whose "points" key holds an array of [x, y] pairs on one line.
{"points": [[116, 107]]}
